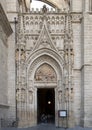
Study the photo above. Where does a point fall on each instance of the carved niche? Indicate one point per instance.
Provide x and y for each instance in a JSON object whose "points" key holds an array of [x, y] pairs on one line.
{"points": [[30, 97], [45, 73]]}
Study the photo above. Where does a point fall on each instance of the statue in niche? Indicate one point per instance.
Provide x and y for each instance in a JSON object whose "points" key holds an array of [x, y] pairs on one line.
{"points": [[23, 54], [60, 97], [23, 95], [71, 95], [31, 97], [67, 94], [17, 95]]}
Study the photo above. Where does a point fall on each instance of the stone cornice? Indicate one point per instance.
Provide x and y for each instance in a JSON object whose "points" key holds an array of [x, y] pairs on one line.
{"points": [[85, 65], [82, 67], [5, 23], [4, 105]]}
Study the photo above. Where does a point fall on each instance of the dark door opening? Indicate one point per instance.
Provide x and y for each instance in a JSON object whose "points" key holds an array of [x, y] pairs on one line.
{"points": [[46, 106]]}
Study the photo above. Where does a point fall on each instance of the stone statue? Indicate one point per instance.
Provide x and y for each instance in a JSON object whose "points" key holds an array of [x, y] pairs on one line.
{"points": [[23, 95], [30, 97], [60, 96], [67, 94]]}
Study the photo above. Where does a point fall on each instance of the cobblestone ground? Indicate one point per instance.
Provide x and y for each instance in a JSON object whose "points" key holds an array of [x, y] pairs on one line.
{"points": [[46, 127]]}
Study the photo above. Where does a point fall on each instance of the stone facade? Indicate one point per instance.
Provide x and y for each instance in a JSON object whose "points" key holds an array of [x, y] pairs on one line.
{"points": [[47, 49], [5, 32]]}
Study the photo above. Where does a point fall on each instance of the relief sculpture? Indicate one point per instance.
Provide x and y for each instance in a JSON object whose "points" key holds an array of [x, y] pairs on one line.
{"points": [[45, 73]]}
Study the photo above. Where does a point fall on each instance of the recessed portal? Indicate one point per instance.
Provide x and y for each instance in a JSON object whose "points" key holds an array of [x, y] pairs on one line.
{"points": [[46, 105]]}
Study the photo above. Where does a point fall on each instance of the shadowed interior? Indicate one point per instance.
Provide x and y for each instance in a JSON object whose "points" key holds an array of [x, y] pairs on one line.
{"points": [[46, 105]]}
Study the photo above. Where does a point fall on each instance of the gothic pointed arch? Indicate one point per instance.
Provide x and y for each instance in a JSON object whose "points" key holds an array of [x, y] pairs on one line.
{"points": [[45, 60], [42, 52], [47, 57]]}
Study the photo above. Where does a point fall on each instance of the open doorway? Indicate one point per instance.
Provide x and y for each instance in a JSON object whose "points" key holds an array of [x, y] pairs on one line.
{"points": [[46, 105]]}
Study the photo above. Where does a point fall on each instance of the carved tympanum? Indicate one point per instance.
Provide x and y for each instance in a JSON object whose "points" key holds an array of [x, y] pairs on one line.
{"points": [[45, 73]]}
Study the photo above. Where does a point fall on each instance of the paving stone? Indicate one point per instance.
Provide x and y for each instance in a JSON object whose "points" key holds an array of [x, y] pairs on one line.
{"points": [[47, 127]]}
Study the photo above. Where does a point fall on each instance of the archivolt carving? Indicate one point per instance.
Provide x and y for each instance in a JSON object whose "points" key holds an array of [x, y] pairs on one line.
{"points": [[59, 59], [45, 59], [76, 17]]}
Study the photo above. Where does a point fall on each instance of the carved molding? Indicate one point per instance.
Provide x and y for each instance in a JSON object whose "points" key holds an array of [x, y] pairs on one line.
{"points": [[44, 60], [4, 106], [30, 96], [44, 51], [76, 17]]}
